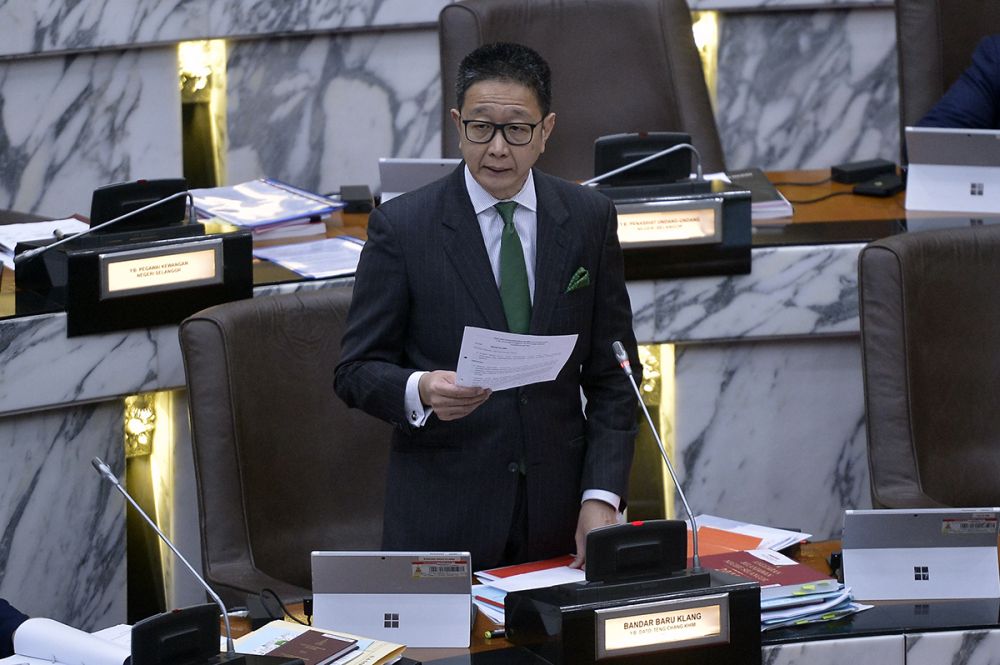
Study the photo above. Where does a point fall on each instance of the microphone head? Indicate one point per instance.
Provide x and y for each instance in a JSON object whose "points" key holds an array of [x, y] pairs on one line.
{"points": [[103, 468], [617, 347], [622, 356]]}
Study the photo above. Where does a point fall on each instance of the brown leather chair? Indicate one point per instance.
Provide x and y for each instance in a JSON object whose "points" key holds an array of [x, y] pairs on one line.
{"points": [[283, 467], [617, 66], [934, 44], [930, 330]]}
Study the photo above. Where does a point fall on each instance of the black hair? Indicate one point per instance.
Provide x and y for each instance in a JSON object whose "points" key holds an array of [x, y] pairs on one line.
{"points": [[504, 61]]}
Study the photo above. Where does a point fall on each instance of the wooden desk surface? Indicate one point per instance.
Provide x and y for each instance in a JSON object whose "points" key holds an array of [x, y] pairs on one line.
{"points": [[844, 207], [814, 555]]}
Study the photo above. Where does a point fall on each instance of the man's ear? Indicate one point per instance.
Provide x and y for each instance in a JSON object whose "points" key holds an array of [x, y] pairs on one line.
{"points": [[548, 124]]}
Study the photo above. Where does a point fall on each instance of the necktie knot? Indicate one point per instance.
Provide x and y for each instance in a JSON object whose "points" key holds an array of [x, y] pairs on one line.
{"points": [[506, 210]]}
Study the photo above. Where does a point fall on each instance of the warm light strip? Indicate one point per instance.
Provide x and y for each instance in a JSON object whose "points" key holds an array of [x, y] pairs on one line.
{"points": [[668, 431]]}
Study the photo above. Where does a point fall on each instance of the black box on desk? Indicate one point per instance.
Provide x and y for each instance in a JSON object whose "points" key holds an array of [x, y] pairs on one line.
{"points": [[686, 619], [119, 282], [683, 229]]}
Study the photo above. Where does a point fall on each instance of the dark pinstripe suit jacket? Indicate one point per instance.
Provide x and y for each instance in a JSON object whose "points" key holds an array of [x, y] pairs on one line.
{"points": [[424, 275]]}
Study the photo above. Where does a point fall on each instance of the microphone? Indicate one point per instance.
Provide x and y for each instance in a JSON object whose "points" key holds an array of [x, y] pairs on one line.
{"points": [[639, 162], [108, 475], [626, 366], [31, 253]]}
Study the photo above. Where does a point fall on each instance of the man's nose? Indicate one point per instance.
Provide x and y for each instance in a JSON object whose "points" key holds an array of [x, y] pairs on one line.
{"points": [[498, 144]]}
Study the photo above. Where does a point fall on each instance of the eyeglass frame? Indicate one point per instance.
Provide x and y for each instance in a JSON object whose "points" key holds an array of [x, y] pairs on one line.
{"points": [[502, 126]]}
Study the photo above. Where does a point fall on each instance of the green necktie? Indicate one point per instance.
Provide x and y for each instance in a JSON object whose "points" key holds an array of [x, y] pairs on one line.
{"points": [[514, 290]]}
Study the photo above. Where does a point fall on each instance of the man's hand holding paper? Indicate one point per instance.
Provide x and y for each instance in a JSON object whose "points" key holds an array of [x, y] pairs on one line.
{"points": [[501, 360], [439, 391]]}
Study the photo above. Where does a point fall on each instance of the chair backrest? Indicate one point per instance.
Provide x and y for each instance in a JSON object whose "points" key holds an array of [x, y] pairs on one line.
{"points": [[283, 467], [930, 328], [617, 66], [934, 44]]}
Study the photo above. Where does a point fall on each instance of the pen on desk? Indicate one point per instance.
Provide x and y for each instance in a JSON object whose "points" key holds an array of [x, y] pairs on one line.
{"points": [[496, 632]]}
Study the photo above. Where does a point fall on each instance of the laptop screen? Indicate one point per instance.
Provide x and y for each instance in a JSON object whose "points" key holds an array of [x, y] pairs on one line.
{"points": [[399, 175]]}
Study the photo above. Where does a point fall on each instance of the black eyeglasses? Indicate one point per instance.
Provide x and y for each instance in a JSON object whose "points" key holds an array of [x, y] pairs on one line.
{"points": [[514, 133]]}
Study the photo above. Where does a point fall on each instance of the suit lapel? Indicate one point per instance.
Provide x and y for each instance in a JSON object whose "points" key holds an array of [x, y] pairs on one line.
{"points": [[467, 251], [550, 254]]}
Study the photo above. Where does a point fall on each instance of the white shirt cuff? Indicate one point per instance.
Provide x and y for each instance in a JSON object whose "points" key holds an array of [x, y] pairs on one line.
{"points": [[609, 498], [415, 412]]}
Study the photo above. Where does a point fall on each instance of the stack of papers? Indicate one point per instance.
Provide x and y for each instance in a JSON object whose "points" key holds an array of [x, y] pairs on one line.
{"points": [[320, 259], [809, 607], [262, 204], [11, 234], [718, 534], [791, 593], [498, 582]]}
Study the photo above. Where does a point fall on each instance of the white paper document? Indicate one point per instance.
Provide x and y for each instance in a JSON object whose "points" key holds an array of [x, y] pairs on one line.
{"points": [[11, 234], [42, 641], [500, 360], [539, 579], [320, 259]]}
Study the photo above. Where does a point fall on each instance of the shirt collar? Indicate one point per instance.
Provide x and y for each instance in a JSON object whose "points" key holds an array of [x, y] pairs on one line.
{"points": [[483, 200]]}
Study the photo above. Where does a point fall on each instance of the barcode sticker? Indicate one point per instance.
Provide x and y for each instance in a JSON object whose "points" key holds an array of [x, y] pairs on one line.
{"points": [[444, 567], [969, 525]]}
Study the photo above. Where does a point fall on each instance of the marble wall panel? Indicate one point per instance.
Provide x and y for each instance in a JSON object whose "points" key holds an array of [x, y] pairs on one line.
{"points": [[52, 26], [810, 290], [69, 124], [318, 112], [773, 432], [41, 368], [256, 17], [885, 650], [807, 89], [968, 647], [62, 529]]}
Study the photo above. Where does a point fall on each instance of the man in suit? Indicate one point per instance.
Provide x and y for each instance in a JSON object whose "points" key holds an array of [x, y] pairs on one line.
{"points": [[973, 101], [10, 619], [518, 474]]}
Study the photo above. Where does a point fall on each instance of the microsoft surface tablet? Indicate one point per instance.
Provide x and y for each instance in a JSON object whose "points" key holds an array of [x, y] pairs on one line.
{"points": [[420, 599], [955, 170], [921, 554]]}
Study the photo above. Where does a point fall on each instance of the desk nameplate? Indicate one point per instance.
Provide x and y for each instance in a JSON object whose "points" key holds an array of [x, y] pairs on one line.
{"points": [[157, 269], [663, 223], [662, 626]]}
